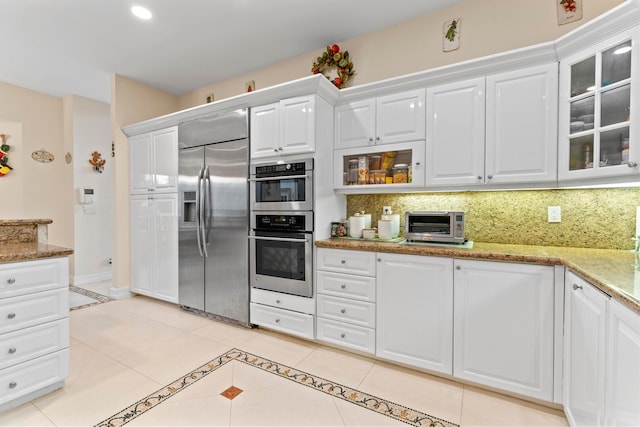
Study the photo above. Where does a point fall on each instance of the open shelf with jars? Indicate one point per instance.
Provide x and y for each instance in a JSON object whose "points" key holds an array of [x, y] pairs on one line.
{"points": [[596, 97], [380, 168]]}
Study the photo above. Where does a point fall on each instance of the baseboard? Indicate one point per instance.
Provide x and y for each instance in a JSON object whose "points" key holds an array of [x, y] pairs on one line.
{"points": [[119, 293], [90, 278]]}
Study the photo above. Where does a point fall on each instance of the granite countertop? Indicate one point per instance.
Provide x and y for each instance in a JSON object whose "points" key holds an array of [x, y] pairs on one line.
{"points": [[6, 222], [13, 252], [612, 271]]}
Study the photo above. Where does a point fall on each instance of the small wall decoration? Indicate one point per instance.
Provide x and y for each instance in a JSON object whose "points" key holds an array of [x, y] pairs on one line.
{"points": [[451, 35], [332, 59], [42, 156], [569, 11], [4, 157], [209, 98], [68, 157], [250, 86], [97, 161]]}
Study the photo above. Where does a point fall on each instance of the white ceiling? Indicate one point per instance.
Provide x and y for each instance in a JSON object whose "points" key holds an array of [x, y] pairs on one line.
{"points": [[63, 47]]}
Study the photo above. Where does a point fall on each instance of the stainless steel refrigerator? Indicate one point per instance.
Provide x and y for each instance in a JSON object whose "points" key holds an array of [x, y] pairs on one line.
{"points": [[213, 219]]}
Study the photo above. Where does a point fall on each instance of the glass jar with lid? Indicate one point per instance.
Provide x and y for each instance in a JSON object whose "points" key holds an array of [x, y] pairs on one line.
{"points": [[400, 173], [352, 176]]}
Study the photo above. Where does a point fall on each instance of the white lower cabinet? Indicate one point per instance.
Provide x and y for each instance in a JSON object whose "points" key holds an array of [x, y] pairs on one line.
{"points": [[504, 326], [415, 310], [285, 313], [346, 298], [154, 246], [34, 329], [601, 362]]}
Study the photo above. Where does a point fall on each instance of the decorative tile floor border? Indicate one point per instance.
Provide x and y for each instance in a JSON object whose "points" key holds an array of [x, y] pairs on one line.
{"points": [[96, 296], [364, 400]]}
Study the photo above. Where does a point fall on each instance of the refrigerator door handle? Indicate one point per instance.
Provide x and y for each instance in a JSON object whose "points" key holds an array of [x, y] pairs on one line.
{"points": [[206, 201], [199, 210]]}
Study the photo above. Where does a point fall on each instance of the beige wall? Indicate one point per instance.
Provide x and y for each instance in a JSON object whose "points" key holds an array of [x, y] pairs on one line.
{"points": [[36, 190], [488, 27], [131, 102]]}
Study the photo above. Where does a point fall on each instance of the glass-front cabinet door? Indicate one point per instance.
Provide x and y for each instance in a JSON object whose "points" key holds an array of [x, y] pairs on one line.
{"points": [[598, 101]]}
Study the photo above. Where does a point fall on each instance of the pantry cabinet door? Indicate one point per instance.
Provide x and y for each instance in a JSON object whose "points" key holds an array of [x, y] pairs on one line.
{"points": [[165, 160], [455, 134], [140, 164], [142, 236], [522, 121], [165, 271]]}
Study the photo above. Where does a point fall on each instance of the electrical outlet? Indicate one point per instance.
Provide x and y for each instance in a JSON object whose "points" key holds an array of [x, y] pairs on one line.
{"points": [[555, 214]]}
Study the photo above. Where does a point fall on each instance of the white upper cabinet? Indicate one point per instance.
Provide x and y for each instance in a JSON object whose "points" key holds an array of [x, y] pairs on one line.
{"points": [[455, 134], [521, 126], [599, 103], [387, 119], [285, 127], [154, 162]]}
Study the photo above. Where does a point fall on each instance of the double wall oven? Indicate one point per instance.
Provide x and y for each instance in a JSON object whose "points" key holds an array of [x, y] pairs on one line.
{"points": [[281, 227]]}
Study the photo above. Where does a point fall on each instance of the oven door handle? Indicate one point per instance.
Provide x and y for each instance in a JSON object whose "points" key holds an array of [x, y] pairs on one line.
{"points": [[280, 239], [276, 178]]}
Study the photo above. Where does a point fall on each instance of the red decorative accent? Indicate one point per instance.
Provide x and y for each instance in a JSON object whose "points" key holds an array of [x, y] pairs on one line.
{"points": [[333, 58]]}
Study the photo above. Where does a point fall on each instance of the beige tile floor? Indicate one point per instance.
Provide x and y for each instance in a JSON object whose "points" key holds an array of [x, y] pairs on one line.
{"points": [[123, 350]]}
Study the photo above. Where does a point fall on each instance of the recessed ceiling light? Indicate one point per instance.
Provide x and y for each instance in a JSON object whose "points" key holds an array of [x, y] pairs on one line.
{"points": [[621, 50], [141, 12]]}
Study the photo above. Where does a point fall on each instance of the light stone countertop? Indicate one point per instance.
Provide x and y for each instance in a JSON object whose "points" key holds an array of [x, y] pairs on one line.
{"points": [[612, 271], [14, 252]]}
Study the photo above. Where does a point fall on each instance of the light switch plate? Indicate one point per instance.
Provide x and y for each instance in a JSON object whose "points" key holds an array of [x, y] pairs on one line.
{"points": [[554, 214]]}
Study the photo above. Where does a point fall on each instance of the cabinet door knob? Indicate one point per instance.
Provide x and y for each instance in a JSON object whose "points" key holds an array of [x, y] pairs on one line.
{"points": [[490, 176], [479, 177], [377, 138], [632, 164], [343, 261], [11, 280], [343, 286], [277, 320], [13, 384], [342, 335], [277, 301], [417, 163], [12, 350], [458, 267], [576, 287], [370, 139], [343, 311], [275, 150], [279, 148], [379, 259], [11, 315]]}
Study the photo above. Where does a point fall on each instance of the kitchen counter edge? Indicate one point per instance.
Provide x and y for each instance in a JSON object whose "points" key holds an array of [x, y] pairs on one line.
{"points": [[15, 252], [612, 271]]}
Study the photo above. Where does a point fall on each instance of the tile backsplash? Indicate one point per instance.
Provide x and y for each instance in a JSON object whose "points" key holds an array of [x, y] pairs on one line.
{"points": [[591, 218]]}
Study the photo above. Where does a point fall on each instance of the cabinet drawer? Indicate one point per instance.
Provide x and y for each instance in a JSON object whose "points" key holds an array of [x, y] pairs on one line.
{"points": [[360, 288], [25, 277], [26, 344], [31, 376], [355, 337], [345, 310], [342, 261], [33, 309], [289, 322], [284, 301]]}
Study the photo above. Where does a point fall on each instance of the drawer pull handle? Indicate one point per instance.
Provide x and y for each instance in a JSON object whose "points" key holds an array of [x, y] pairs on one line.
{"points": [[277, 301], [458, 267], [11, 280], [277, 320], [576, 287], [343, 311], [343, 261], [13, 384], [343, 286], [12, 350], [11, 315], [342, 335]]}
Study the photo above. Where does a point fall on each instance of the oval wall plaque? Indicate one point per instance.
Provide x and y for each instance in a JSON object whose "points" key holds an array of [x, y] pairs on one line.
{"points": [[42, 156]]}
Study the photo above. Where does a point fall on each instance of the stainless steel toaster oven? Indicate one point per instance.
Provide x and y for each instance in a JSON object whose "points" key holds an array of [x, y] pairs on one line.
{"points": [[434, 226]]}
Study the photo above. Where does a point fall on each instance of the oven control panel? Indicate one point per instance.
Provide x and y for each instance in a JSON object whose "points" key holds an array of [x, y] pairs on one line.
{"points": [[282, 169], [280, 222]]}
